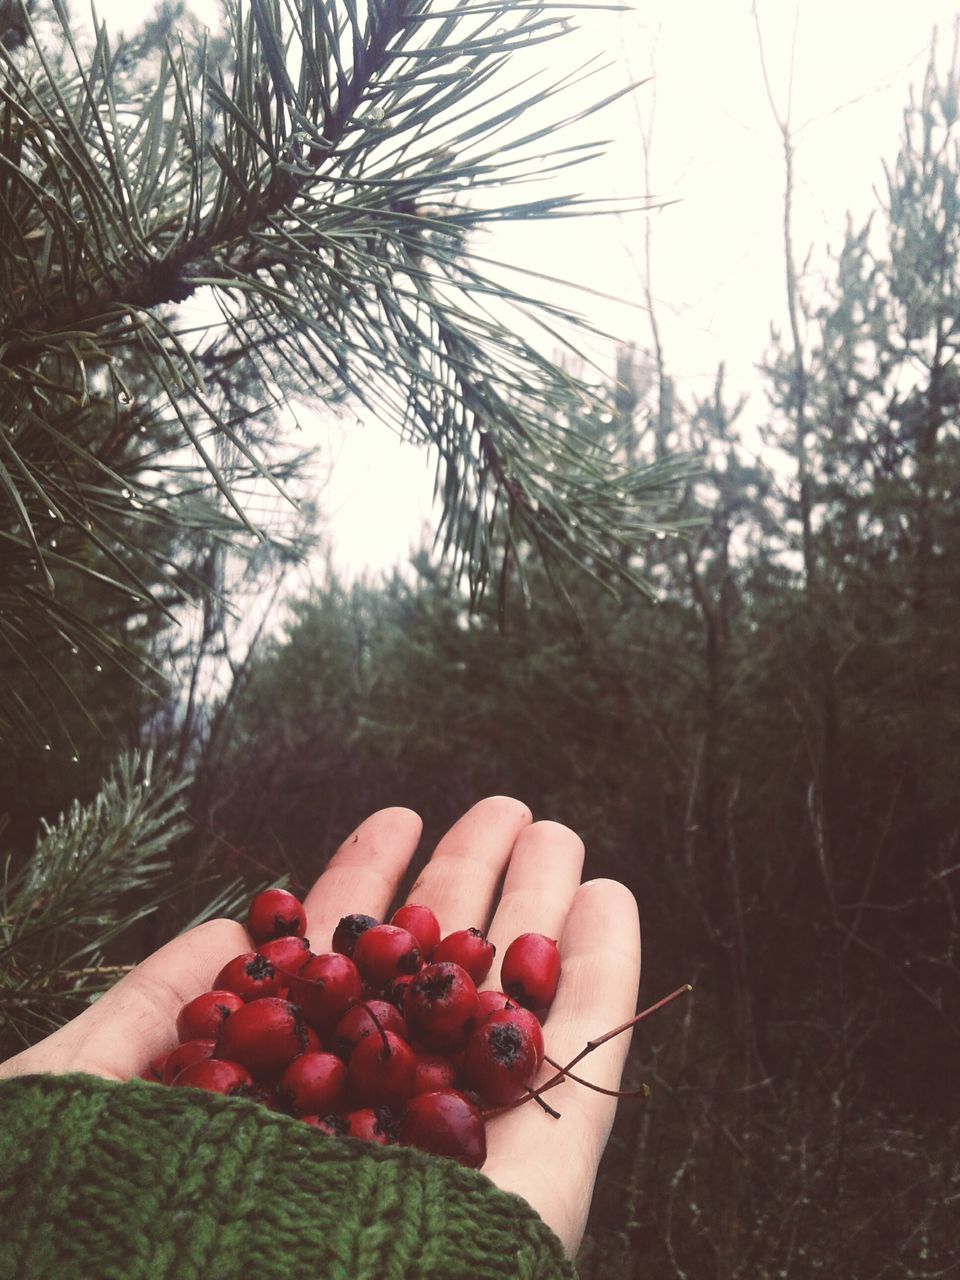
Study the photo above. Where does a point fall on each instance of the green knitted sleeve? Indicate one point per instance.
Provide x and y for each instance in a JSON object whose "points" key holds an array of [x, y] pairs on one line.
{"points": [[136, 1181]]}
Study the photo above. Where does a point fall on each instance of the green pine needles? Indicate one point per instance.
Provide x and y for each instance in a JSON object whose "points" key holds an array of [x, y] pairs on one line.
{"points": [[95, 872], [313, 180]]}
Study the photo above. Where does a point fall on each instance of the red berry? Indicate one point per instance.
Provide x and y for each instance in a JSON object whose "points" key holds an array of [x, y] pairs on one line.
{"points": [[349, 929], [531, 970], [314, 1083], [500, 1060], [251, 976], [470, 950], [445, 1123], [265, 1036], [202, 1017], [440, 1006], [386, 952], [523, 1018], [381, 1071], [325, 988], [216, 1075], [288, 954], [274, 914], [368, 1017], [375, 1124], [422, 923], [185, 1055], [433, 1072]]}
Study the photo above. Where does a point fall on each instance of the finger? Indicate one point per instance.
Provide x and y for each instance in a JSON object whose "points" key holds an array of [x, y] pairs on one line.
{"points": [[136, 1019], [553, 1163], [364, 874], [460, 881], [540, 884]]}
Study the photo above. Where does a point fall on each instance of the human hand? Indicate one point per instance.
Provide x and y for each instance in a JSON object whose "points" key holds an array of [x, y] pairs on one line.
{"points": [[551, 1163]]}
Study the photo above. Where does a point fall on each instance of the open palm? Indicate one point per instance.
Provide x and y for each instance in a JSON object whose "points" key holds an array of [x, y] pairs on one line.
{"points": [[494, 847]]}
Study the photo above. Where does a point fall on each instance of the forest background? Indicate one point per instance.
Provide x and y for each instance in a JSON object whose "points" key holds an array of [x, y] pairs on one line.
{"points": [[767, 755]]}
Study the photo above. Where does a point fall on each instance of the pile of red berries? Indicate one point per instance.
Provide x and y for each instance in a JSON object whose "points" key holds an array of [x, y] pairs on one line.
{"points": [[386, 1037]]}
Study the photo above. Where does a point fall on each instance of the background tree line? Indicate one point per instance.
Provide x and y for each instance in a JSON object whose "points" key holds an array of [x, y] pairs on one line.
{"points": [[767, 756]]}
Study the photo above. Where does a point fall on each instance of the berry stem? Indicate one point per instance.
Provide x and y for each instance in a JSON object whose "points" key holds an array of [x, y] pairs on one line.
{"points": [[642, 1092], [645, 1013], [563, 1073], [529, 1096]]}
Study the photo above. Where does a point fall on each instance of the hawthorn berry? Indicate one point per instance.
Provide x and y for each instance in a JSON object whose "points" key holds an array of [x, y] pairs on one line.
{"points": [[202, 1017], [325, 988], [470, 950], [386, 952], [217, 1075], [274, 913], [499, 1002], [381, 1071], [500, 1060], [265, 1036], [530, 971], [251, 976], [422, 923], [440, 1006], [523, 1018], [288, 954], [445, 1123], [314, 1083]]}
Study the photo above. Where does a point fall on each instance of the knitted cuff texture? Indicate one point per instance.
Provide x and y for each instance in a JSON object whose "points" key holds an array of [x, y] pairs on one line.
{"points": [[138, 1181]]}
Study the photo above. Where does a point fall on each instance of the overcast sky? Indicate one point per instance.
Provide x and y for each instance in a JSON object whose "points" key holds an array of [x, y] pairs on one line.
{"points": [[717, 272]]}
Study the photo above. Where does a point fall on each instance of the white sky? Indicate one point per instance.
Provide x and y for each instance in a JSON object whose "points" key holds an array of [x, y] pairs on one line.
{"points": [[717, 270]]}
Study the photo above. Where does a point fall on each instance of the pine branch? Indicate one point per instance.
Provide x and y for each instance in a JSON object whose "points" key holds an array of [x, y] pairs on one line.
{"points": [[322, 185], [93, 874]]}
